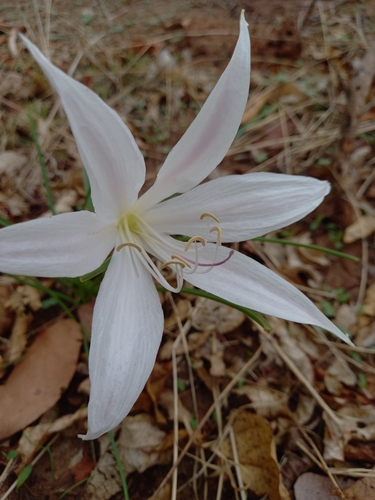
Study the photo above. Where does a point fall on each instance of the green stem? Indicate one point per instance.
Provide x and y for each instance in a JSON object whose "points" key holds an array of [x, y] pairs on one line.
{"points": [[310, 247], [119, 465]]}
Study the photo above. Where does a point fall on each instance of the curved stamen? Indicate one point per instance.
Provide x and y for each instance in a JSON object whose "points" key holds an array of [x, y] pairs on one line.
{"points": [[181, 259], [211, 265], [209, 214], [219, 234], [176, 260], [129, 244], [195, 239]]}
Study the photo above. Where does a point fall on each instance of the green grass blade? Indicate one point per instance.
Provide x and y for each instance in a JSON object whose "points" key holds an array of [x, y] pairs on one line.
{"points": [[310, 247], [5, 222], [119, 465], [66, 492], [96, 272]]}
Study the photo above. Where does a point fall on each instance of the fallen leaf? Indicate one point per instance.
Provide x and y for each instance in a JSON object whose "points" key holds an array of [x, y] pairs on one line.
{"points": [[83, 468], [256, 451], [37, 381], [18, 338], [139, 438], [361, 228], [33, 437], [369, 302], [362, 489], [210, 315], [10, 161], [311, 486]]}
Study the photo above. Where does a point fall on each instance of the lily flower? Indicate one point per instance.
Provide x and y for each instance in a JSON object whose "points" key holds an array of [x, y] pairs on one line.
{"points": [[128, 318]]}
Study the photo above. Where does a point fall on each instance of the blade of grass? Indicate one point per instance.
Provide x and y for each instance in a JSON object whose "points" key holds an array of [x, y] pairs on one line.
{"points": [[42, 164], [66, 492], [119, 465], [4, 222], [310, 247]]}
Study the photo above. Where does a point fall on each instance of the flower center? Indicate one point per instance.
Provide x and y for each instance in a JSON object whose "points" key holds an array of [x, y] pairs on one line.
{"points": [[136, 234]]}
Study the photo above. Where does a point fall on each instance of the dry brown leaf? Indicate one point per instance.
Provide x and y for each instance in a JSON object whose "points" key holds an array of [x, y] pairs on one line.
{"points": [[210, 315], [33, 437], [5, 314], [337, 375], [18, 338], [291, 348], [310, 486], [369, 302], [37, 381], [362, 489], [84, 313], [256, 454], [267, 402], [137, 443], [361, 228], [65, 202], [11, 162], [183, 308]]}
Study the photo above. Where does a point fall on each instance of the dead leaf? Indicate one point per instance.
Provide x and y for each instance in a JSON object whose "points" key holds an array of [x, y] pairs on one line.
{"points": [[18, 338], [362, 489], [33, 437], [361, 228], [137, 443], [11, 162], [183, 308], [369, 302], [310, 486], [210, 315], [337, 375], [84, 313], [256, 451], [37, 381], [267, 402], [83, 468]]}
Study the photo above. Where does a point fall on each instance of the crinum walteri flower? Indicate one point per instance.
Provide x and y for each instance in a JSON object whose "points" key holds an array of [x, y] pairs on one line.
{"points": [[128, 319]]}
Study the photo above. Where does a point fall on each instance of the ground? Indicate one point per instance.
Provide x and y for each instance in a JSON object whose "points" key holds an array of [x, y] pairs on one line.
{"points": [[233, 409]]}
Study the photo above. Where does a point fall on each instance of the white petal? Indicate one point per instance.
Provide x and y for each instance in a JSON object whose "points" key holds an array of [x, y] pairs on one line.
{"points": [[114, 164], [245, 282], [209, 137], [66, 245], [126, 334], [246, 205]]}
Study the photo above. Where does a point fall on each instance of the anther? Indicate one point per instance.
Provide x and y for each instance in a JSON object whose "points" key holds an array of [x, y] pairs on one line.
{"points": [[181, 259], [209, 214], [219, 234], [195, 239], [178, 260], [130, 244]]}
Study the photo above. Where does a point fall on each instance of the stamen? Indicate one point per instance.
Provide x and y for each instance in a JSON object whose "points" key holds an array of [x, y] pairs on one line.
{"points": [[219, 234], [182, 259], [177, 260], [130, 244], [209, 214], [214, 264], [195, 239]]}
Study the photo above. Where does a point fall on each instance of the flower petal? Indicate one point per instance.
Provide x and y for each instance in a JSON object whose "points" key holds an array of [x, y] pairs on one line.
{"points": [[247, 205], [245, 282], [209, 137], [114, 164], [66, 245], [127, 329]]}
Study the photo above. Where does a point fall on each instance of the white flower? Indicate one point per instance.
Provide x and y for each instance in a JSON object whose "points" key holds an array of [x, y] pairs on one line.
{"points": [[128, 318]]}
